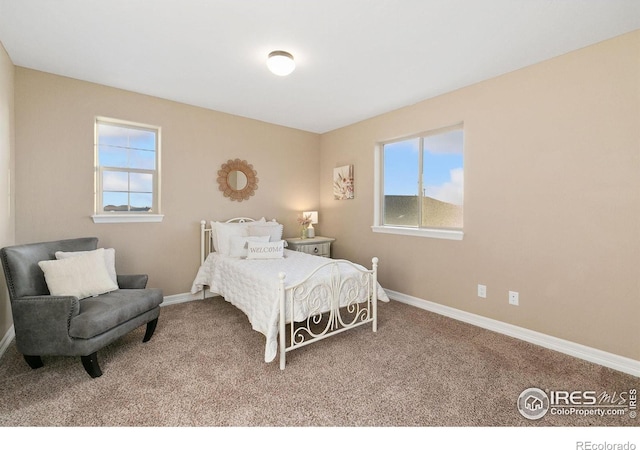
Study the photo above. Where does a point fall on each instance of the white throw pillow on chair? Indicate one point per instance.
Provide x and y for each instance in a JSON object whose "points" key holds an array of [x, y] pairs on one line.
{"points": [[109, 260], [82, 276]]}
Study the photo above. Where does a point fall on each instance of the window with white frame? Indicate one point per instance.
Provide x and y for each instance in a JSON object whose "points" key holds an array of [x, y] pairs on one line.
{"points": [[420, 184], [127, 170]]}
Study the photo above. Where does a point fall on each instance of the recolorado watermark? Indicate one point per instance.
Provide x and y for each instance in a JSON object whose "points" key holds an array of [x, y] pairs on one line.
{"points": [[535, 403], [588, 445]]}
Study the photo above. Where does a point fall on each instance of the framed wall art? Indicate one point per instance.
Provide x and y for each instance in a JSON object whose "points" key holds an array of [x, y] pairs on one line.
{"points": [[343, 182]]}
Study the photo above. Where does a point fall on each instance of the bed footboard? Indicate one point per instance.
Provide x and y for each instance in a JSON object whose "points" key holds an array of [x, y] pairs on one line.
{"points": [[314, 311]]}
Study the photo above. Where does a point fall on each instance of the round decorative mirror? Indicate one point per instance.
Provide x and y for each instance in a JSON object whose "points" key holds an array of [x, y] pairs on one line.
{"points": [[237, 180]]}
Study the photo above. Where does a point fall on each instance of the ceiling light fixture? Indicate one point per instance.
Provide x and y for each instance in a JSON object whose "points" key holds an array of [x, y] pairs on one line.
{"points": [[281, 63]]}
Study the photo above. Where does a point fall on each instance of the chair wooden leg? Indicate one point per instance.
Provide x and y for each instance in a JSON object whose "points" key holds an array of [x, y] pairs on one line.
{"points": [[35, 362], [90, 363], [151, 327]]}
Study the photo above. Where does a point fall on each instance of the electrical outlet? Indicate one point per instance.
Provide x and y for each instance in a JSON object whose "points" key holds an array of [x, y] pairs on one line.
{"points": [[513, 298], [482, 291]]}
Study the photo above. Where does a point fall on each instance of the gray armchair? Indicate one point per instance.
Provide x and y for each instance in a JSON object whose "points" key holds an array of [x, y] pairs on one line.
{"points": [[63, 325]]}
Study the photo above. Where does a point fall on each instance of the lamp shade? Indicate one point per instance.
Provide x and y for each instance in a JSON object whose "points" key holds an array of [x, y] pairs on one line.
{"points": [[313, 215], [281, 63]]}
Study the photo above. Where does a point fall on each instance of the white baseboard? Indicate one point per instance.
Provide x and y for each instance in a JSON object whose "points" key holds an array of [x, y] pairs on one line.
{"points": [[613, 361], [6, 340], [185, 297]]}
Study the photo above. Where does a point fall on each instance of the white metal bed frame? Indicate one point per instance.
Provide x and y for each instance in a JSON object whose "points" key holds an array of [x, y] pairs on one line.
{"points": [[347, 308]]}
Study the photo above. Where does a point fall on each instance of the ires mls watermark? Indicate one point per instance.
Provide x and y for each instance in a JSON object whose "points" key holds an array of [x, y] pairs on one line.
{"points": [[534, 403]]}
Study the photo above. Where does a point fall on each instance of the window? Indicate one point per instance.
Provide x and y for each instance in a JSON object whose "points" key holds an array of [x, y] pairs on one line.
{"points": [[420, 185], [127, 171]]}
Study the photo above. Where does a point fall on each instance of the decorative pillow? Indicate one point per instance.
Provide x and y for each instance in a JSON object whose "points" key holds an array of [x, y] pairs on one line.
{"points": [[238, 247], [221, 232], [109, 260], [271, 229], [81, 276], [224, 232], [265, 250]]}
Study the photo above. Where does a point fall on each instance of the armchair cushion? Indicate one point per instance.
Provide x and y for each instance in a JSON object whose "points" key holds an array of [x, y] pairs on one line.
{"points": [[100, 314], [82, 276]]}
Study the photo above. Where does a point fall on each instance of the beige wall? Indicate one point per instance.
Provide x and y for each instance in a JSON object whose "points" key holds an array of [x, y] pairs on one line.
{"points": [[552, 198], [7, 217], [54, 172]]}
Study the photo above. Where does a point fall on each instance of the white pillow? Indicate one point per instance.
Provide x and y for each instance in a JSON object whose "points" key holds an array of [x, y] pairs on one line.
{"points": [[214, 239], [224, 232], [265, 250], [109, 260], [238, 247], [221, 233], [81, 276], [271, 229]]}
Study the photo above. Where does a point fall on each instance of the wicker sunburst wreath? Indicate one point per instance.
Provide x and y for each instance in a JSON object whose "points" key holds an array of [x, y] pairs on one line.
{"points": [[247, 169]]}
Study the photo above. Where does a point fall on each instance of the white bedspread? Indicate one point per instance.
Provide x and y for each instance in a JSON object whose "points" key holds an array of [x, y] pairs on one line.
{"points": [[252, 286]]}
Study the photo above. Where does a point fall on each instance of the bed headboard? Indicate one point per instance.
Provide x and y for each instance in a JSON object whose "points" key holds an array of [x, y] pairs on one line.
{"points": [[206, 243]]}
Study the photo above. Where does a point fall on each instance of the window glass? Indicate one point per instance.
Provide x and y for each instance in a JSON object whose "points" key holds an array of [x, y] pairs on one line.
{"points": [[127, 161], [423, 180], [401, 182], [442, 180]]}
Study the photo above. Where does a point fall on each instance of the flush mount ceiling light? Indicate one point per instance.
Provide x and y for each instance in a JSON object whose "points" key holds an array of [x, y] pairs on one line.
{"points": [[281, 63]]}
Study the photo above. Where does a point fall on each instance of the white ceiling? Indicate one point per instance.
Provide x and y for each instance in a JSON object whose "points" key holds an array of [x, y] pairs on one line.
{"points": [[355, 58]]}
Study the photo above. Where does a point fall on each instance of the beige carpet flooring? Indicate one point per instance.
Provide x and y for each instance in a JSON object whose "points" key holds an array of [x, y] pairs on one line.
{"points": [[204, 367]]}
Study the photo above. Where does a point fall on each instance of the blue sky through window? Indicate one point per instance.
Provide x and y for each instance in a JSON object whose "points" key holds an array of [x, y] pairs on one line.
{"points": [[442, 167], [401, 167]]}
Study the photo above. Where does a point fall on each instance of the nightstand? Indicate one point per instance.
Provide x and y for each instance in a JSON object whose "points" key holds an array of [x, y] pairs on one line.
{"points": [[319, 245]]}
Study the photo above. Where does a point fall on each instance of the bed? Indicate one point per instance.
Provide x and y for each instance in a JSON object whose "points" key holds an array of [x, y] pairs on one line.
{"points": [[292, 298]]}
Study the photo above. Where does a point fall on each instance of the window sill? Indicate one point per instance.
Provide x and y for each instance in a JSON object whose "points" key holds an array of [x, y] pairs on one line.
{"points": [[455, 235], [127, 218]]}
